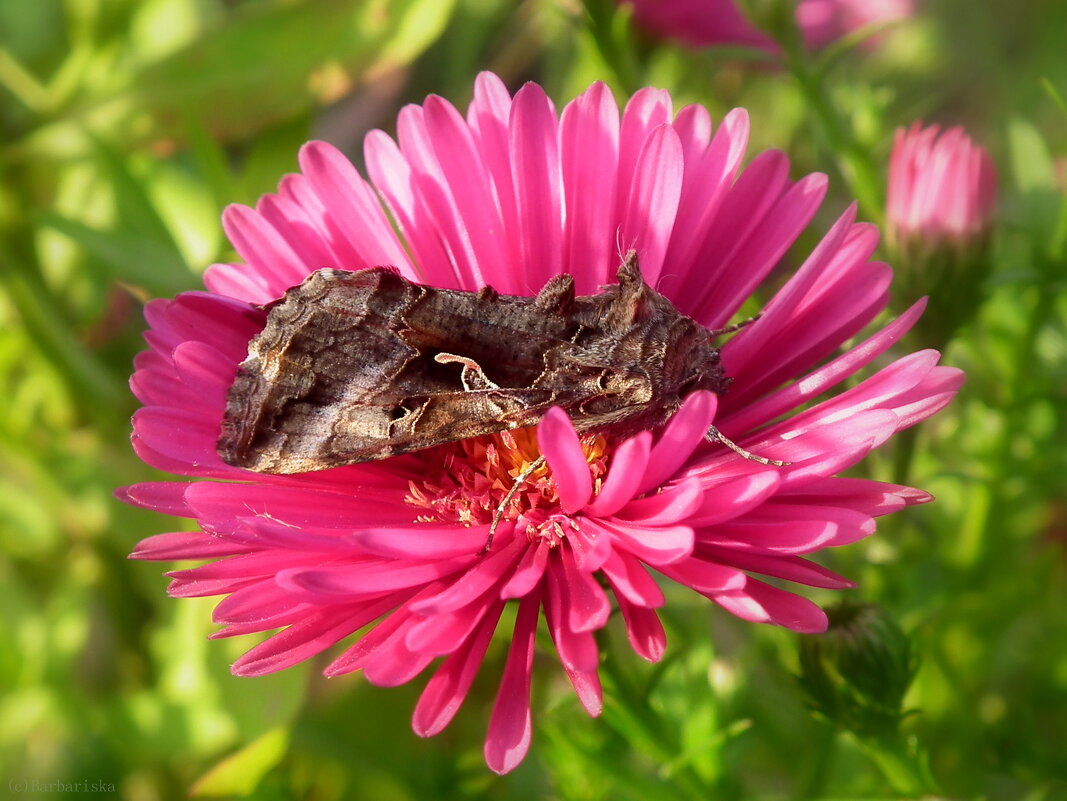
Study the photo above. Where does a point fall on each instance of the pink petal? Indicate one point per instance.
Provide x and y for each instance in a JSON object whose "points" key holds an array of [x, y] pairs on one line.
{"points": [[744, 205], [788, 568], [587, 605], [508, 738], [656, 546], [873, 498], [647, 109], [425, 540], [166, 497], [577, 649], [263, 248], [589, 156], [528, 572], [559, 443], [184, 545], [395, 179], [629, 580], [709, 175], [755, 256], [789, 528], [818, 381], [354, 217], [535, 171], [394, 662], [238, 281], [628, 465], [673, 505], [303, 640], [680, 437], [649, 215], [489, 116], [331, 584], [590, 549], [486, 573], [396, 619], [705, 577], [463, 175], [762, 603], [734, 498], [446, 690], [644, 630]]}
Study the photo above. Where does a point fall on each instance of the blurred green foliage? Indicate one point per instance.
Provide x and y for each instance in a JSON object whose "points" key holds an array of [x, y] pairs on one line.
{"points": [[126, 128]]}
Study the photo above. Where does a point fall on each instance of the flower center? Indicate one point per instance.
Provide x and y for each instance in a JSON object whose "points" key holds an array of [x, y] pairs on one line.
{"points": [[466, 481]]}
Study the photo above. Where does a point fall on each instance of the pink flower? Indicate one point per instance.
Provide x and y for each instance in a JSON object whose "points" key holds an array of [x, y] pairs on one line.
{"points": [[942, 187], [510, 195], [824, 21], [700, 23]]}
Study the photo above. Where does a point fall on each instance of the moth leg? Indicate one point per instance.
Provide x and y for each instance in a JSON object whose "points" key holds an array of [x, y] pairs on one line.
{"points": [[718, 332], [520, 479], [473, 377], [714, 435]]}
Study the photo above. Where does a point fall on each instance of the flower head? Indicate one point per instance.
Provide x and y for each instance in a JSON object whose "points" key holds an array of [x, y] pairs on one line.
{"points": [[510, 195], [824, 21], [942, 187], [700, 23]]}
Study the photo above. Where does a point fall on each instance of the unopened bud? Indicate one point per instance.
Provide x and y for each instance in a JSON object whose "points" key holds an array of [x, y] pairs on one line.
{"points": [[857, 672]]}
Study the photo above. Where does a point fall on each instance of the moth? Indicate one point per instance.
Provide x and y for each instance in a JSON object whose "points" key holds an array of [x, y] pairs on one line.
{"points": [[357, 366]]}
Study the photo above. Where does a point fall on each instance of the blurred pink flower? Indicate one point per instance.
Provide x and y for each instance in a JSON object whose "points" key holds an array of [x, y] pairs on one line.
{"points": [[706, 23], [942, 186], [824, 21], [511, 195], [700, 23]]}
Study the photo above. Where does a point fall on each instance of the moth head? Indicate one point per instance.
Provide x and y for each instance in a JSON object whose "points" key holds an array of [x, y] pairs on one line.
{"points": [[698, 363]]}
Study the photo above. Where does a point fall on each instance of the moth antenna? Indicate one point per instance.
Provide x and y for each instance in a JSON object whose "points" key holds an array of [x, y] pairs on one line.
{"points": [[520, 479], [620, 251], [714, 435], [718, 332]]}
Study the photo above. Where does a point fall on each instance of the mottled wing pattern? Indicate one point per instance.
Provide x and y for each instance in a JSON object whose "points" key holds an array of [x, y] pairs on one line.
{"points": [[349, 368], [357, 366]]}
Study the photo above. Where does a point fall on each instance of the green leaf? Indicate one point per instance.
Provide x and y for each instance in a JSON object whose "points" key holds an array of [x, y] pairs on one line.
{"points": [[267, 64], [1035, 180], [240, 773], [130, 258]]}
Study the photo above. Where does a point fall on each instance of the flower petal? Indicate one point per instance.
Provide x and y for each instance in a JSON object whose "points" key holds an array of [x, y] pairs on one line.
{"points": [[508, 738], [559, 443]]}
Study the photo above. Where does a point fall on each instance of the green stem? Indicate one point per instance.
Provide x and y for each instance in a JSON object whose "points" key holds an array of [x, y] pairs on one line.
{"points": [[628, 704], [814, 773], [1017, 387], [853, 161], [604, 23], [902, 764], [22, 84]]}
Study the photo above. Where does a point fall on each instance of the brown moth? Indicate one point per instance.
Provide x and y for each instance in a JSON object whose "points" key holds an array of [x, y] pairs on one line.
{"points": [[357, 366]]}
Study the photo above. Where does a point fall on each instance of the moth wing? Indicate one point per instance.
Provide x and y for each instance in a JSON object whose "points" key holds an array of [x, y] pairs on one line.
{"points": [[315, 437], [328, 340]]}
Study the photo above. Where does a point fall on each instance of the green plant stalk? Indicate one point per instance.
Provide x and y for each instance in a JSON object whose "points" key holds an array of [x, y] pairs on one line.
{"points": [[853, 162], [985, 522], [627, 705], [902, 764]]}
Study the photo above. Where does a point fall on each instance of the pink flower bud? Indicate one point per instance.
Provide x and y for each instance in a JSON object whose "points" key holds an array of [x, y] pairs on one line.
{"points": [[942, 186], [700, 23], [823, 21]]}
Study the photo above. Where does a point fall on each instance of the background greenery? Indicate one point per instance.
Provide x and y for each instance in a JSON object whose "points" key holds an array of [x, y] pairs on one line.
{"points": [[127, 126]]}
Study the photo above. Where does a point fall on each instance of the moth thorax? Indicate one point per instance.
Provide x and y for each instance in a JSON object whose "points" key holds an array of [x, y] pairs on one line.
{"points": [[465, 482]]}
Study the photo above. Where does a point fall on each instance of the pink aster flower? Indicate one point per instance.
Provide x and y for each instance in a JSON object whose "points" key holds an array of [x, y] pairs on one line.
{"points": [[388, 553], [700, 23], [942, 187], [824, 21]]}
